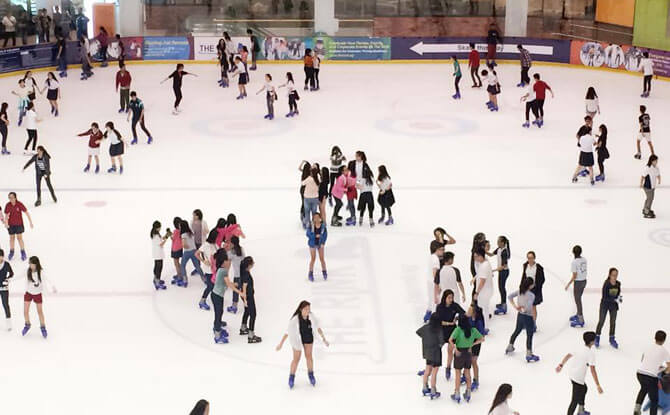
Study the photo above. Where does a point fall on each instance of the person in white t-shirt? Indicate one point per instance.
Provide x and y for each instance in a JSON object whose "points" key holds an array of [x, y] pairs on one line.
{"points": [[31, 128], [500, 405], [157, 243], [436, 253], [578, 278], [484, 287], [270, 96], [586, 143], [647, 67], [449, 278], [654, 360], [583, 360], [651, 177], [529, 98], [35, 284]]}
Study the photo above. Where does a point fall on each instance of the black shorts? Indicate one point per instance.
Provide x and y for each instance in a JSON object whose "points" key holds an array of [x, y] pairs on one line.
{"points": [[493, 90], [585, 159], [116, 149], [243, 79], [476, 349], [16, 229], [434, 363], [177, 254], [386, 199], [463, 360], [52, 94], [366, 200]]}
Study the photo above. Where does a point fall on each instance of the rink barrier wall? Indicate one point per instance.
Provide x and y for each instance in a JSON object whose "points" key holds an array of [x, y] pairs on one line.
{"points": [[345, 50]]}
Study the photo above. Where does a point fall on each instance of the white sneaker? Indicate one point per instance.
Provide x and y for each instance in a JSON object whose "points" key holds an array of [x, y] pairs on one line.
{"points": [[8, 324]]}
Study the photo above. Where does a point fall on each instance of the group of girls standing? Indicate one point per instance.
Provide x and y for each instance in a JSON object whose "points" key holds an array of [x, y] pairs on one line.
{"points": [[218, 250], [271, 95], [36, 282]]}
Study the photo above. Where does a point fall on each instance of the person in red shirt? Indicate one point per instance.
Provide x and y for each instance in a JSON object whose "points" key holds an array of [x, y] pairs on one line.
{"points": [[473, 64], [14, 222], [94, 139], [540, 88], [123, 79]]}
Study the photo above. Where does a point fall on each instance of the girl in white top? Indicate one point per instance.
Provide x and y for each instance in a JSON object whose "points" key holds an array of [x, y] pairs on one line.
{"points": [[300, 333], [157, 243], [586, 144], [500, 405], [493, 89], [484, 287], [646, 66], [270, 96], [591, 103], [316, 65], [236, 255], [53, 94], [292, 95], [651, 176], [22, 92], [231, 50], [35, 282], [205, 254], [386, 198], [31, 127]]}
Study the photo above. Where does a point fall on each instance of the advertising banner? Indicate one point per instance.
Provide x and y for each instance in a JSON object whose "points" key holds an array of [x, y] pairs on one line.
{"points": [[351, 48], [661, 61], [204, 47], [548, 50], [10, 59], [283, 48], [165, 48], [598, 54]]}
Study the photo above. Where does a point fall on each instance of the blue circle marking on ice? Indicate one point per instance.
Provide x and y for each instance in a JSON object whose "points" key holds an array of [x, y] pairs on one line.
{"points": [[428, 126], [249, 127], [660, 236]]}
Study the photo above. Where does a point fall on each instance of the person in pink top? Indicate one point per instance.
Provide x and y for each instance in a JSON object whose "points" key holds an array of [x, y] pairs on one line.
{"points": [[177, 250], [226, 229], [343, 181]]}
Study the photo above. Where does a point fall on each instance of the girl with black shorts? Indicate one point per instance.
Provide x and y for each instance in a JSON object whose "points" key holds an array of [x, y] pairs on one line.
{"points": [[53, 92], [300, 334], [242, 77], [447, 311], [116, 147], [366, 200], [432, 339], [476, 316], [463, 338]]}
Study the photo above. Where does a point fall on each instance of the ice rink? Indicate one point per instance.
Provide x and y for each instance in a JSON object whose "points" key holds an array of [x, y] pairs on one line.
{"points": [[115, 346]]}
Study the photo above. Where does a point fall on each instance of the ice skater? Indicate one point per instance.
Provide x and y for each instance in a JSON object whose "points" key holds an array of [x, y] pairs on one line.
{"points": [[540, 88], [645, 132], [236, 255], [31, 128], [342, 183], [177, 77], [476, 317], [199, 228], [534, 271], [337, 160], [219, 284], [137, 111], [116, 147], [463, 338], [308, 64], [579, 269], [583, 360], [493, 89], [502, 253], [457, 77], [300, 334], [157, 243], [651, 177], [524, 319], [492, 39], [585, 143], [188, 244], [386, 199], [205, 254], [609, 303], [6, 274], [647, 68], [324, 179], [293, 96], [591, 103], [366, 200], [22, 92], [95, 137], [434, 266], [31, 84], [500, 405], [176, 251], [42, 162], [443, 237], [4, 124], [14, 211], [242, 77], [654, 358], [432, 340], [85, 60], [484, 286], [602, 151], [123, 81], [531, 105], [223, 62], [248, 296], [449, 277], [310, 194], [447, 311], [526, 62], [473, 64], [61, 56], [317, 234], [316, 62], [35, 282], [53, 92], [270, 96]]}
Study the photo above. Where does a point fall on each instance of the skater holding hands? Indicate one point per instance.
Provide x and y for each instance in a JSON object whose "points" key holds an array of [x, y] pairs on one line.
{"points": [[95, 137], [300, 334], [157, 243]]}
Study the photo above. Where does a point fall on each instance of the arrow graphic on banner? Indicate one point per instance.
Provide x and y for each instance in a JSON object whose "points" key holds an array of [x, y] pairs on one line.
{"points": [[421, 48]]}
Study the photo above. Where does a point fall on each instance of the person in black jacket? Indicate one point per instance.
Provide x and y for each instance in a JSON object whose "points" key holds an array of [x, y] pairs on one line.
{"points": [[447, 311], [492, 39], [42, 170], [6, 274], [432, 340], [609, 303], [535, 271]]}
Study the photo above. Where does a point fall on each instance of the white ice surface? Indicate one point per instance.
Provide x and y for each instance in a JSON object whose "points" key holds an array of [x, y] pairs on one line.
{"points": [[116, 347]]}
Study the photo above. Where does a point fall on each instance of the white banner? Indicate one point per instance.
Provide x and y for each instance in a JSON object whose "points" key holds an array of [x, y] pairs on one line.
{"points": [[204, 47]]}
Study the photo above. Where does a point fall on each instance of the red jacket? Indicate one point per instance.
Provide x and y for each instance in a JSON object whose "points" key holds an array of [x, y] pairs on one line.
{"points": [[473, 58], [123, 79]]}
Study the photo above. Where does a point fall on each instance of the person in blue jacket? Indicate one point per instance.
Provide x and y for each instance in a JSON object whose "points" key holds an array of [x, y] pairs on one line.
{"points": [[316, 240]]}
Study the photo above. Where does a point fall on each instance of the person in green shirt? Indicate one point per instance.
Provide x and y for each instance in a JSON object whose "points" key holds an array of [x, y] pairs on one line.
{"points": [[457, 79], [463, 338]]}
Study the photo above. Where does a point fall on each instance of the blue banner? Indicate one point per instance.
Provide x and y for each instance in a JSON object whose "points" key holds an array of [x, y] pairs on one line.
{"points": [[350, 48], [548, 50], [166, 48]]}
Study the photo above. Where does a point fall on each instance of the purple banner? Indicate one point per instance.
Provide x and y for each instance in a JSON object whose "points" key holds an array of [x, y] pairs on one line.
{"points": [[547, 50], [661, 61]]}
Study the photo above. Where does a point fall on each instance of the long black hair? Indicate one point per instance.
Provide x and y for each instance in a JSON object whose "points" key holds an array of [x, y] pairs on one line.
{"points": [[306, 170], [335, 151], [3, 108], [176, 222], [184, 228], [506, 242], [231, 219], [211, 237], [38, 269], [525, 285], [221, 223], [302, 305], [289, 77], [237, 249], [502, 394], [110, 125], [652, 159], [154, 229], [603, 133], [245, 264], [199, 408], [367, 173], [591, 93], [464, 324], [383, 173], [446, 294], [220, 256]]}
